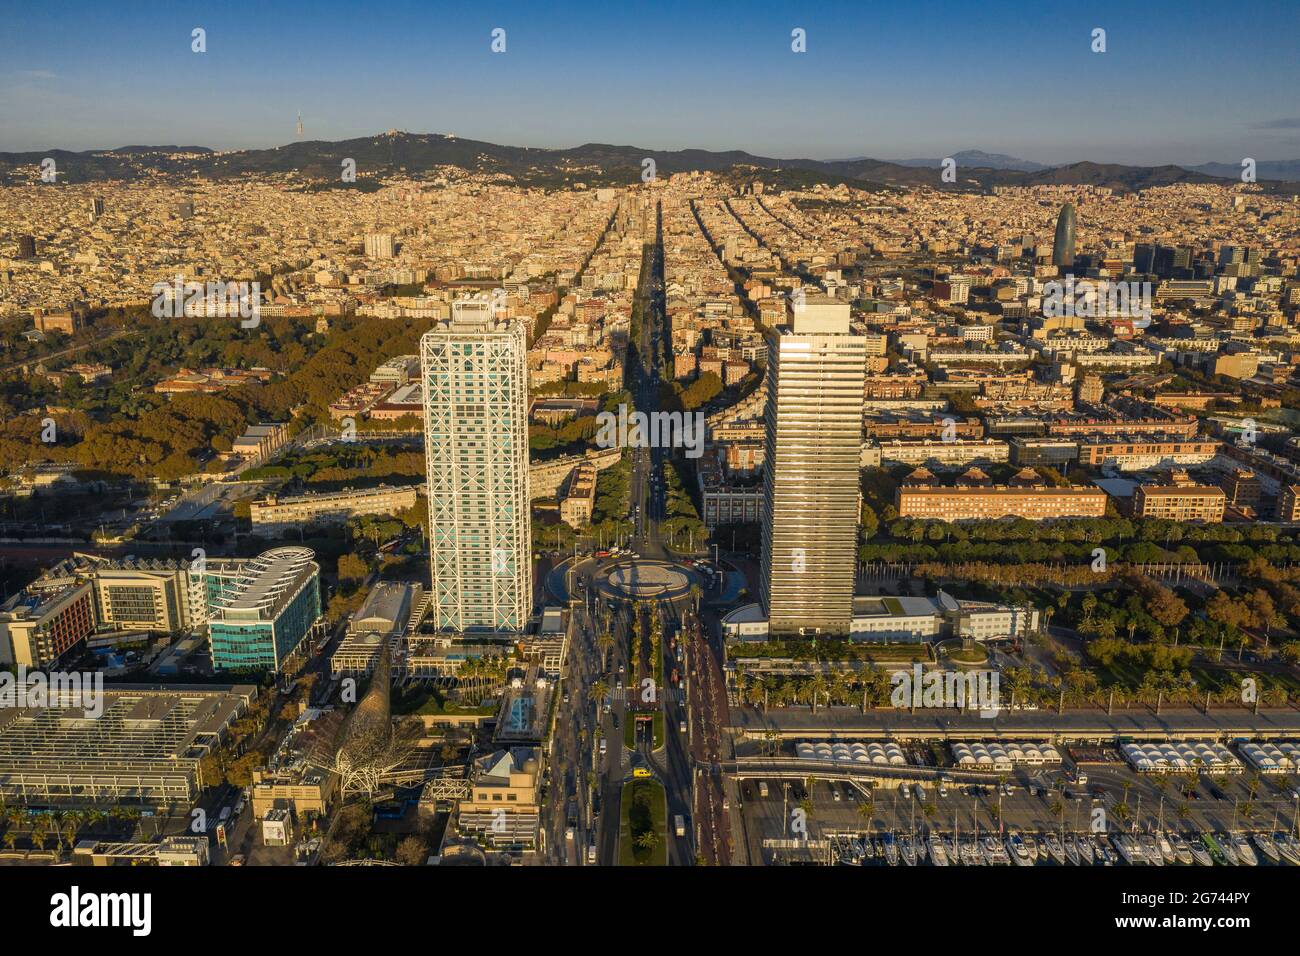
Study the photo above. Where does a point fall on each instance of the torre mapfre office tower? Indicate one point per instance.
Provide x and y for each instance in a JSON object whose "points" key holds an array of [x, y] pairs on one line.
{"points": [[1063, 245], [813, 446], [476, 447]]}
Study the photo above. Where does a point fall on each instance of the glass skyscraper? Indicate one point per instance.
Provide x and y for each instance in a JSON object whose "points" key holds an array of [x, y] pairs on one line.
{"points": [[1063, 245]]}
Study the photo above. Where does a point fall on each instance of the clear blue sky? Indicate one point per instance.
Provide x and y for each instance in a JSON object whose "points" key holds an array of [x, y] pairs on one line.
{"points": [[1184, 82]]}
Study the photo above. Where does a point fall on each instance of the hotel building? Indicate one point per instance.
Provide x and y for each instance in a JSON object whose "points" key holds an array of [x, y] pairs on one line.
{"points": [[476, 444]]}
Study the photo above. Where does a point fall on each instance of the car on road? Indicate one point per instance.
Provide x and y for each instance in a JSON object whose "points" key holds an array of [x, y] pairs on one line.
{"points": [[640, 772], [762, 788]]}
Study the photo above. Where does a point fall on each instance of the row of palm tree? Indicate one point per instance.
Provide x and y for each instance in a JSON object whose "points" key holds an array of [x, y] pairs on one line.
{"points": [[63, 825], [482, 676], [1077, 686]]}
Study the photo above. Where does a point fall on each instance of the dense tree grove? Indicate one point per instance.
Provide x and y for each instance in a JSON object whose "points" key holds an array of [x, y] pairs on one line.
{"points": [[143, 435]]}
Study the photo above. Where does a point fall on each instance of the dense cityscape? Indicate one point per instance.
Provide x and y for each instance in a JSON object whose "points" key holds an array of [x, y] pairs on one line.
{"points": [[581, 510]]}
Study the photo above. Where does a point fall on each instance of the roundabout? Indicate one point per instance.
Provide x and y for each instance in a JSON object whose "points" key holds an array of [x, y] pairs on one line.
{"points": [[641, 579], [624, 579]]}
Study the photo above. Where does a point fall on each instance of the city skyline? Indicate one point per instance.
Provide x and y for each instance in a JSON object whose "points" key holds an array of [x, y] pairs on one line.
{"points": [[901, 80], [436, 500]]}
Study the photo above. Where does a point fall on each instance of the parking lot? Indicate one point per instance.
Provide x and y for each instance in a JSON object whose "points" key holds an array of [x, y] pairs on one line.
{"points": [[1036, 801]]}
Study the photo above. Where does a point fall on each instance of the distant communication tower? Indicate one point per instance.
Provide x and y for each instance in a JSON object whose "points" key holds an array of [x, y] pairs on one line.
{"points": [[300, 125]]}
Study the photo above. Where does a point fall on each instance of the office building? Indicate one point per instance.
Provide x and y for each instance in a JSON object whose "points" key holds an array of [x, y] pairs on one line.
{"points": [[1063, 245], [146, 595], [476, 445], [41, 624], [379, 245], [812, 446], [26, 247], [907, 620], [260, 611]]}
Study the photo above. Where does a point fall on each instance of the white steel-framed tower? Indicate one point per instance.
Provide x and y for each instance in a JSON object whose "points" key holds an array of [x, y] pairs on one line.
{"points": [[475, 375]]}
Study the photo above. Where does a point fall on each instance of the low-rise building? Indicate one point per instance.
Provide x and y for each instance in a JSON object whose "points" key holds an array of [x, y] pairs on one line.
{"points": [[1181, 500], [503, 808], [1141, 453], [276, 513], [907, 620], [580, 497], [1025, 498], [386, 616]]}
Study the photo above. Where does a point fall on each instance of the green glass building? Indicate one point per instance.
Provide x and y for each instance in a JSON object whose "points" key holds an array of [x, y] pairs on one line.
{"points": [[259, 611]]}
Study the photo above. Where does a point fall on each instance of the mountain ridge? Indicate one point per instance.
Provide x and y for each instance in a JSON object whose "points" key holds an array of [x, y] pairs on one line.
{"points": [[593, 163]]}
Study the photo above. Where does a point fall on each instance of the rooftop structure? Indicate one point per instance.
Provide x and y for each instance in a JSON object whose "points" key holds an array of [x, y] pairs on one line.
{"points": [[145, 746]]}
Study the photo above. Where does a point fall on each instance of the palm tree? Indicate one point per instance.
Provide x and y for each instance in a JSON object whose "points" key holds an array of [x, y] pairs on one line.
{"points": [[867, 810], [816, 687], [40, 830]]}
